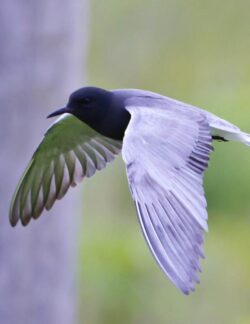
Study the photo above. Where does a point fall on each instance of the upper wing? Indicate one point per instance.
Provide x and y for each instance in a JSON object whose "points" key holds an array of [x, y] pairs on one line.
{"points": [[69, 151], [166, 153]]}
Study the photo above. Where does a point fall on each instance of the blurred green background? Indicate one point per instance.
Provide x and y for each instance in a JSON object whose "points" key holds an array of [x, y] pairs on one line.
{"points": [[197, 52]]}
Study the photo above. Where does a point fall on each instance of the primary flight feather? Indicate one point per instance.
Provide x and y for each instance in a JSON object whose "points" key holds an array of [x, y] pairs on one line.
{"points": [[165, 145]]}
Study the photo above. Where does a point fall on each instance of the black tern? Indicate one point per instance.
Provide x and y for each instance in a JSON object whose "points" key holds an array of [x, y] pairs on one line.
{"points": [[165, 145]]}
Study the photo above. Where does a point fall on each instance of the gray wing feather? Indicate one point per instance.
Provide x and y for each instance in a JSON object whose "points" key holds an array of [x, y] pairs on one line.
{"points": [[69, 152], [166, 154]]}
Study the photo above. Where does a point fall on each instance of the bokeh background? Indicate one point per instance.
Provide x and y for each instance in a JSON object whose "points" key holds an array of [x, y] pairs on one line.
{"points": [[194, 51], [197, 52]]}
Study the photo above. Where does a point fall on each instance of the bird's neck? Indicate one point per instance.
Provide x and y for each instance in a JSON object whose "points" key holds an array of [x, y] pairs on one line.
{"points": [[111, 122], [114, 124]]}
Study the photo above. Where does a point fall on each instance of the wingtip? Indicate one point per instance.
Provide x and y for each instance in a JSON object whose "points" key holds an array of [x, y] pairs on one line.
{"points": [[25, 221], [189, 288], [13, 217], [13, 222]]}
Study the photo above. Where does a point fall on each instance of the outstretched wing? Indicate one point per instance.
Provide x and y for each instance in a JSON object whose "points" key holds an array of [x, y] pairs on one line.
{"points": [[69, 151], [166, 153]]}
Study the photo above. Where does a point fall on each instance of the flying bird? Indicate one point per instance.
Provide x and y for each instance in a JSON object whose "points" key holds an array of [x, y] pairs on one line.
{"points": [[165, 144]]}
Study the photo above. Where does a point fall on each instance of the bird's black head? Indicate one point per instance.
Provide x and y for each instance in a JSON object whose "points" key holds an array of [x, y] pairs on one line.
{"points": [[100, 109], [89, 101]]}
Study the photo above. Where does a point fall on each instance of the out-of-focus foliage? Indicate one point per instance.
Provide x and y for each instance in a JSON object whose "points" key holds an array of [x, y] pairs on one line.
{"points": [[198, 52]]}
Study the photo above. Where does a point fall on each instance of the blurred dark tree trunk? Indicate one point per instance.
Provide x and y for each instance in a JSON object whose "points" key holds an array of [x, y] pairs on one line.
{"points": [[42, 50]]}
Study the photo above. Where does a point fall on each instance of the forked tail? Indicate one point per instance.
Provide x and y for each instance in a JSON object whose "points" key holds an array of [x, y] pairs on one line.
{"points": [[232, 136], [227, 131]]}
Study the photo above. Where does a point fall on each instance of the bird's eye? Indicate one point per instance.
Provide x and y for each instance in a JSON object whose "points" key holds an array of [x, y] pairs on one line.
{"points": [[86, 100]]}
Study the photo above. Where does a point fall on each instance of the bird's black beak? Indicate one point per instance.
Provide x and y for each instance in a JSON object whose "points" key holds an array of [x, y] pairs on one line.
{"points": [[58, 112]]}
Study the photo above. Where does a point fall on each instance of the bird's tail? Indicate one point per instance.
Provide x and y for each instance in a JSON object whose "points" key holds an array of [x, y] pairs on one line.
{"points": [[243, 137], [234, 135], [227, 131]]}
